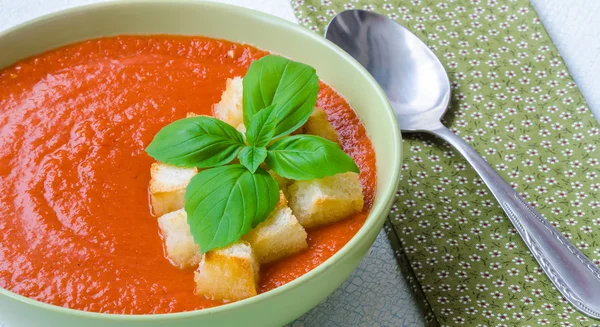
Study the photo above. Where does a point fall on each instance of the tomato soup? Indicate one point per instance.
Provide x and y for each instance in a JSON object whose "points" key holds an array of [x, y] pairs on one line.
{"points": [[76, 228]]}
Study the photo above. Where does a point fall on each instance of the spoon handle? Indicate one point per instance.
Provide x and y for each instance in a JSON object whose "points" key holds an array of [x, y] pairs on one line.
{"points": [[573, 274]]}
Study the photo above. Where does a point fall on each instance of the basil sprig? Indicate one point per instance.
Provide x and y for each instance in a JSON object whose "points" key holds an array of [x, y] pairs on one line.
{"points": [[226, 201], [261, 129], [290, 85], [304, 157], [196, 142]]}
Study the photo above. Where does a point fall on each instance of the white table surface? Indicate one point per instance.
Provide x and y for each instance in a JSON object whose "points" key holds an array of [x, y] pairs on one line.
{"points": [[376, 293]]}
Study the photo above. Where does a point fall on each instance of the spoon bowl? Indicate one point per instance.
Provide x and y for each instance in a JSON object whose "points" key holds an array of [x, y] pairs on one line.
{"points": [[418, 89], [410, 74]]}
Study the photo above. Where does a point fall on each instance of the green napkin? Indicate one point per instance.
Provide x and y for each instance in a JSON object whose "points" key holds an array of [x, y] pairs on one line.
{"points": [[515, 103]]}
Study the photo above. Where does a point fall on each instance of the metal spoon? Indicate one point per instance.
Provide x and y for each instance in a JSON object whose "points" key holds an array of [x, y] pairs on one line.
{"points": [[419, 90]]}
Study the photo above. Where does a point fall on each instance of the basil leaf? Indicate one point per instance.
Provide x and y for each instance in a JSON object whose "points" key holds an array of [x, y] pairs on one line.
{"points": [[304, 157], [290, 85], [262, 127], [200, 141], [251, 157], [224, 203]]}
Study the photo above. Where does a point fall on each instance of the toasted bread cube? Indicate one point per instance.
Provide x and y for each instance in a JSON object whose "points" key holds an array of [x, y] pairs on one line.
{"points": [[167, 187], [281, 181], [179, 244], [317, 124], [230, 109], [229, 274], [191, 114], [279, 236], [322, 201]]}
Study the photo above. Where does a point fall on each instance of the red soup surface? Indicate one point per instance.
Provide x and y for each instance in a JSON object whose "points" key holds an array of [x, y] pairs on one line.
{"points": [[75, 223]]}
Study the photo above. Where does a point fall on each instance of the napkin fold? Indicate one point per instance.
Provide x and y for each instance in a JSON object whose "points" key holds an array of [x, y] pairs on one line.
{"points": [[514, 102]]}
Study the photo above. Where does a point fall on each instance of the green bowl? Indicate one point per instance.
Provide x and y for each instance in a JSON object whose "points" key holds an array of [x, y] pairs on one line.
{"points": [[284, 304]]}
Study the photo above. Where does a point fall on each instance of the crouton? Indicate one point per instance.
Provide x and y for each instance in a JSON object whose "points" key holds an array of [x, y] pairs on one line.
{"points": [[327, 200], [191, 115], [229, 274], [317, 124], [178, 241], [279, 236], [167, 187], [281, 181], [230, 109]]}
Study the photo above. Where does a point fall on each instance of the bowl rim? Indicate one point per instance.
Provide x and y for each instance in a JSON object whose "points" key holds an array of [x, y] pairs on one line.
{"points": [[378, 211]]}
